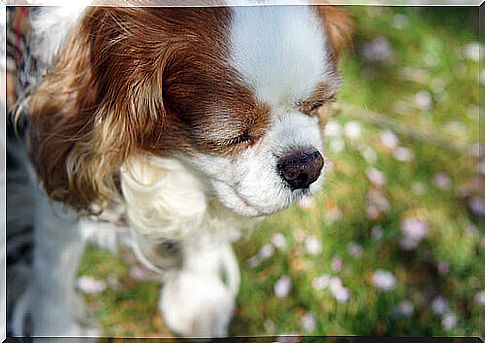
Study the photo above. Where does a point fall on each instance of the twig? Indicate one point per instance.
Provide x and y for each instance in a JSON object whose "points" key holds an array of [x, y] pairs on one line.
{"points": [[399, 127]]}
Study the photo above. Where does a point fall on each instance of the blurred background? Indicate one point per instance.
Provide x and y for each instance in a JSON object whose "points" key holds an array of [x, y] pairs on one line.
{"points": [[391, 246]]}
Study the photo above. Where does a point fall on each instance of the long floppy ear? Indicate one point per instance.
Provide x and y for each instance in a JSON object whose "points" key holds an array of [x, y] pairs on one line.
{"points": [[101, 102], [338, 26]]}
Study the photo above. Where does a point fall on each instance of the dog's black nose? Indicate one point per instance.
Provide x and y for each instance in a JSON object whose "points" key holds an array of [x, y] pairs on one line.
{"points": [[301, 168]]}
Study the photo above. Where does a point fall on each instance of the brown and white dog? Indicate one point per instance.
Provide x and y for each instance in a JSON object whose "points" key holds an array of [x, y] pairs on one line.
{"points": [[189, 122]]}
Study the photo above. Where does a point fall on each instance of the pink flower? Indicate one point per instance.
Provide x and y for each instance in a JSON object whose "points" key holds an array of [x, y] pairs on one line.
{"points": [[282, 287], [308, 322], [376, 177], [340, 293], [414, 229], [405, 308], [336, 264], [90, 285], [442, 181], [439, 305], [378, 49], [477, 205], [389, 139], [449, 321], [139, 274], [443, 268]]}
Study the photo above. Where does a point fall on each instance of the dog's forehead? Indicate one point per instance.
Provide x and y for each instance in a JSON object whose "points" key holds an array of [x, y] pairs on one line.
{"points": [[281, 51]]}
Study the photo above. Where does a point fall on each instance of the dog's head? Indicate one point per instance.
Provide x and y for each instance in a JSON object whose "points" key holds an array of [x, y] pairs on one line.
{"points": [[236, 93]]}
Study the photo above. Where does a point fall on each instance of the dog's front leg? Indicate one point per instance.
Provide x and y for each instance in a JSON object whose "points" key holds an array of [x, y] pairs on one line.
{"points": [[56, 308], [199, 300]]}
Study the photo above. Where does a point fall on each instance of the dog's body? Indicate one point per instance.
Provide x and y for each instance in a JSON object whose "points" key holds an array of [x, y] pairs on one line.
{"points": [[187, 123]]}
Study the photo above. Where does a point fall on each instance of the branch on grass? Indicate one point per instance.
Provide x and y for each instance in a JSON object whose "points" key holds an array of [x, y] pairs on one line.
{"points": [[402, 128]]}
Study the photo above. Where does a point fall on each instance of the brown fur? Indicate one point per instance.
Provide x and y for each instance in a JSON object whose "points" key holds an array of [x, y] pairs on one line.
{"points": [[142, 80]]}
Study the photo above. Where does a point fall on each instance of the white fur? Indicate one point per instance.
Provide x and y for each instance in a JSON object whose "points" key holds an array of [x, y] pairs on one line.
{"points": [[51, 28], [199, 200]]}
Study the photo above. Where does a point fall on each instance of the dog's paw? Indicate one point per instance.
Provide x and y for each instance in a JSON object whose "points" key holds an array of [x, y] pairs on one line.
{"points": [[197, 305]]}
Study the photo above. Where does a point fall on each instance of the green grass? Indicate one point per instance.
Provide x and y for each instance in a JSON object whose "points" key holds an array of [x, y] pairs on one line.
{"points": [[430, 48]]}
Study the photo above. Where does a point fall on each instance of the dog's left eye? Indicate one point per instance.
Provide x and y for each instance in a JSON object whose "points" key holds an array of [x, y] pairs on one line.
{"points": [[311, 107]]}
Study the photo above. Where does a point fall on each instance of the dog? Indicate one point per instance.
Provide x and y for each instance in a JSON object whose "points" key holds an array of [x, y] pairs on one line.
{"points": [[185, 125]]}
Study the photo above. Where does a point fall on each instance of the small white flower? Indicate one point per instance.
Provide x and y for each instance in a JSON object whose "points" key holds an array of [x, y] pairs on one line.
{"points": [[279, 241], [353, 130], [389, 139], [439, 305], [337, 145], [456, 128], [333, 129], [321, 282], [423, 100], [355, 250], [282, 287], [480, 298], [471, 51], [400, 21], [405, 308], [408, 243], [90, 285], [403, 154], [384, 280], [333, 215], [449, 321], [265, 252], [472, 230], [269, 326], [418, 188], [376, 177], [443, 181], [376, 233], [369, 155], [308, 322], [313, 245]]}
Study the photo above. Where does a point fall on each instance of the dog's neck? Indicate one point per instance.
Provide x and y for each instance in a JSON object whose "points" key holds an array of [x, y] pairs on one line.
{"points": [[165, 200]]}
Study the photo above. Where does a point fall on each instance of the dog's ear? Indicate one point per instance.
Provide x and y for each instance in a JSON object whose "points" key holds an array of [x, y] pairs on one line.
{"points": [[101, 102], [338, 26]]}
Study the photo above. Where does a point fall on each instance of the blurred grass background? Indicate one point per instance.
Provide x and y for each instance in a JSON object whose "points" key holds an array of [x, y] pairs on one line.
{"points": [[391, 246]]}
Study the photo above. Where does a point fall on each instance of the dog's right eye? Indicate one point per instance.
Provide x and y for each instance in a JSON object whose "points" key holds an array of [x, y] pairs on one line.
{"points": [[245, 137]]}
